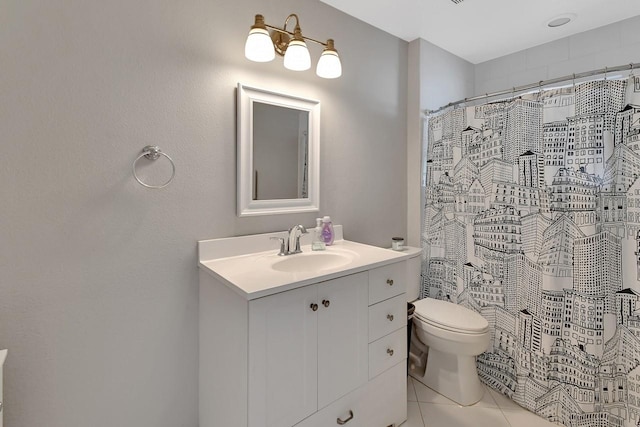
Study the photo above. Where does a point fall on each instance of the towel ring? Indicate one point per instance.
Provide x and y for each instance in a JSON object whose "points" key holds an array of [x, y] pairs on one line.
{"points": [[153, 152]]}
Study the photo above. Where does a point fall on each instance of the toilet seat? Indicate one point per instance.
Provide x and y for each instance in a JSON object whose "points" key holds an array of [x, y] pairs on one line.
{"points": [[450, 317]]}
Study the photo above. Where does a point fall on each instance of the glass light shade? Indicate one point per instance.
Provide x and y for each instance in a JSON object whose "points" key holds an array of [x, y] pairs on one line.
{"points": [[259, 47], [329, 66], [297, 56]]}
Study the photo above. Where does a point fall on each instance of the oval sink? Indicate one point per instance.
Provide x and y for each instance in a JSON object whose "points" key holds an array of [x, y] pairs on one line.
{"points": [[312, 261]]}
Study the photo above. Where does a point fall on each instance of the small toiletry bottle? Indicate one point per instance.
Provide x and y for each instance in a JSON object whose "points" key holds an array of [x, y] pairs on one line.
{"points": [[318, 243], [327, 230]]}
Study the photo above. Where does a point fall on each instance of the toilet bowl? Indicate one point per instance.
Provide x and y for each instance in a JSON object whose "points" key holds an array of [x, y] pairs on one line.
{"points": [[454, 336], [445, 337]]}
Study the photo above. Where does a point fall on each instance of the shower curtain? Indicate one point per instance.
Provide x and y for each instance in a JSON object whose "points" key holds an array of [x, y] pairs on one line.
{"points": [[532, 219]]}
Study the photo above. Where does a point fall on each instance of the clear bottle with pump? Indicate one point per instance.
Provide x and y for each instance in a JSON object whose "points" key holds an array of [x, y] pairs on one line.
{"points": [[327, 230], [317, 244]]}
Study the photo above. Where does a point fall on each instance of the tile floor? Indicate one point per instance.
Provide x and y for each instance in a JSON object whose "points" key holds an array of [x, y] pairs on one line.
{"points": [[426, 408]]}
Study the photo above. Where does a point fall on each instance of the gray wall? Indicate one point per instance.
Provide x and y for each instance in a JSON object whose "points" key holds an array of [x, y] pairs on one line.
{"points": [[98, 283], [607, 46], [436, 77]]}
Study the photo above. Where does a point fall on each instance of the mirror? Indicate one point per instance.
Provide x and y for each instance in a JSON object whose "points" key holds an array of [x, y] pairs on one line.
{"points": [[278, 153]]}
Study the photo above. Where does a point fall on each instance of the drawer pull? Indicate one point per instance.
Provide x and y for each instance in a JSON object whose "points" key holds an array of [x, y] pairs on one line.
{"points": [[390, 317], [326, 302], [341, 422], [390, 282], [314, 307], [390, 351]]}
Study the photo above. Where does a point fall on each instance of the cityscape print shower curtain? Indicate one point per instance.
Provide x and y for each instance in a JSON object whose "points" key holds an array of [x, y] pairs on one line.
{"points": [[532, 219]]}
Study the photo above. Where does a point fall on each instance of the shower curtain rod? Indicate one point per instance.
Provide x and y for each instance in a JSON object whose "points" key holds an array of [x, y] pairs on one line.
{"points": [[539, 84]]}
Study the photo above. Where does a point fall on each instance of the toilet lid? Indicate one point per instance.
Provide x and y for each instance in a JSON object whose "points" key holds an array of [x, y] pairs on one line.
{"points": [[450, 316]]}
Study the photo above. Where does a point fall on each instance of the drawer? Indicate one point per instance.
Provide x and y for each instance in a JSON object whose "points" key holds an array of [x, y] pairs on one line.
{"points": [[351, 404], [386, 282], [382, 402], [387, 316], [387, 352]]}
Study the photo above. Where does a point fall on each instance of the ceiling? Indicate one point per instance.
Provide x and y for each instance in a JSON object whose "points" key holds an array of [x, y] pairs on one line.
{"points": [[480, 30]]}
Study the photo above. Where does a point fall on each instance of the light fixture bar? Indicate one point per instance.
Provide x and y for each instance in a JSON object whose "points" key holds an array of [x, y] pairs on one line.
{"points": [[262, 44], [280, 30]]}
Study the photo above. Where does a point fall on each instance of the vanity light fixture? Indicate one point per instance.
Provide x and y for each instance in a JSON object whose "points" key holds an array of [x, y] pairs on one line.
{"points": [[261, 46]]}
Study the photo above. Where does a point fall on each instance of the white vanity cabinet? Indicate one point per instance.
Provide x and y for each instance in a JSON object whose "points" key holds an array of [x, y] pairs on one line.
{"points": [[310, 352], [307, 348]]}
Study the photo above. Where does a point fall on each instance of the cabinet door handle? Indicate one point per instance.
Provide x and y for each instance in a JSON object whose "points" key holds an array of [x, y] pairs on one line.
{"points": [[390, 317], [325, 302], [390, 351], [390, 282], [341, 422], [314, 307]]}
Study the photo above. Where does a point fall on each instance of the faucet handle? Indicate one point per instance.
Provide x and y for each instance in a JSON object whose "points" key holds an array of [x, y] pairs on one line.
{"points": [[297, 236], [300, 227], [283, 250]]}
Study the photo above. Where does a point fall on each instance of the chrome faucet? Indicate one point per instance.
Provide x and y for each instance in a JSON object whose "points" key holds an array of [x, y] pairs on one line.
{"points": [[291, 244], [294, 239]]}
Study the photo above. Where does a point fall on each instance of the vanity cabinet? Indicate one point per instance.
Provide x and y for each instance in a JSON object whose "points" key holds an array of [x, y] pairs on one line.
{"points": [[317, 354], [307, 348]]}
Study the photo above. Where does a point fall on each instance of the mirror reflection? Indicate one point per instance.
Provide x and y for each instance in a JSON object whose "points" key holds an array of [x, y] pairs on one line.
{"points": [[280, 152]]}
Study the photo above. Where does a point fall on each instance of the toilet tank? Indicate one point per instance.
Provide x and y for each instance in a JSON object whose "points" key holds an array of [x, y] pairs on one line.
{"points": [[414, 266]]}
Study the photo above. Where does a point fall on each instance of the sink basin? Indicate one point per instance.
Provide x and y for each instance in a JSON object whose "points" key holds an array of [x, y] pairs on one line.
{"points": [[312, 261]]}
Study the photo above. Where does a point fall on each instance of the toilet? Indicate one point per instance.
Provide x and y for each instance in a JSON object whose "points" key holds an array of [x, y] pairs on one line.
{"points": [[447, 338]]}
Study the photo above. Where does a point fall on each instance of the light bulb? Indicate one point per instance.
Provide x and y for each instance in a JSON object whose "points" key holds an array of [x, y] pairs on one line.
{"points": [[297, 56], [259, 47], [329, 66]]}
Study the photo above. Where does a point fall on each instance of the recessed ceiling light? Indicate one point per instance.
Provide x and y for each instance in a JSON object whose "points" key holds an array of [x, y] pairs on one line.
{"points": [[559, 21]]}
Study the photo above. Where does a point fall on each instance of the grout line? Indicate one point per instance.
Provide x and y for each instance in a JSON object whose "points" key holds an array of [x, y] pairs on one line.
{"points": [[488, 391], [505, 417], [413, 387], [421, 417], [419, 406]]}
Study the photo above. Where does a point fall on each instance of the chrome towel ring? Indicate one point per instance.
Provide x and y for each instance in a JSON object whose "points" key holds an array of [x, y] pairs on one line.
{"points": [[153, 152]]}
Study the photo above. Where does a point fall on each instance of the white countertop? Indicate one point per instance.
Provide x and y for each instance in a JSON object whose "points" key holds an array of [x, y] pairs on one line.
{"points": [[251, 275]]}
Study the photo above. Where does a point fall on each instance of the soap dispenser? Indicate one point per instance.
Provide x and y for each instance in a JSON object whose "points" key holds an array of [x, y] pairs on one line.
{"points": [[327, 230], [318, 242]]}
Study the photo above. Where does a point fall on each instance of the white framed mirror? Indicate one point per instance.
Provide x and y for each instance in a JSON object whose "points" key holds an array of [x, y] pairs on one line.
{"points": [[278, 153]]}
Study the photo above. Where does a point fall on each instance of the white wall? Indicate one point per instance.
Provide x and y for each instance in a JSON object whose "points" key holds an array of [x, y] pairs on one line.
{"points": [[611, 45], [98, 282]]}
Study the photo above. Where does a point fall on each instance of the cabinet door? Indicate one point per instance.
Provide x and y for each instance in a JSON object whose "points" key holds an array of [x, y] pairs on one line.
{"points": [[283, 358], [342, 336]]}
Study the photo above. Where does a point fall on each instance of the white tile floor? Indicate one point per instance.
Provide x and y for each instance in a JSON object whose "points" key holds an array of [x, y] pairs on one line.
{"points": [[426, 408]]}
